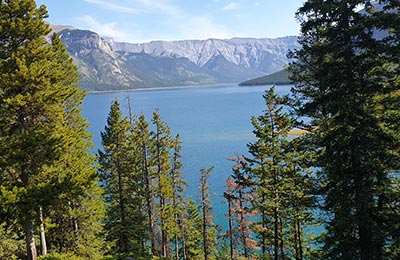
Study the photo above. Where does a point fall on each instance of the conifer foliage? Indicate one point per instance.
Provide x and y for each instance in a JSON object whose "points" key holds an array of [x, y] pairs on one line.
{"points": [[346, 77], [279, 184], [123, 186], [141, 174], [47, 175], [241, 214], [55, 202]]}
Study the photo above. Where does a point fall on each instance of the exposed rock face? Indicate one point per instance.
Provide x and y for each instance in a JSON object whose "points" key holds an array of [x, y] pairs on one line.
{"points": [[267, 55], [99, 65], [108, 65]]}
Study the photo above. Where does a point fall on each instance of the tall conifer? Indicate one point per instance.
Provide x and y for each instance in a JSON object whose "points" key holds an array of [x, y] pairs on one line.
{"points": [[161, 142], [240, 212], [78, 201], [39, 103], [208, 227], [277, 183], [344, 79], [122, 183]]}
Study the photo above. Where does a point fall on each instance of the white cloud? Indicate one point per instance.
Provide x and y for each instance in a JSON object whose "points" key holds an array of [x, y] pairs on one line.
{"points": [[188, 25], [103, 29], [203, 27], [231, 6], [162, 7], [115, 7], [181, 25]]}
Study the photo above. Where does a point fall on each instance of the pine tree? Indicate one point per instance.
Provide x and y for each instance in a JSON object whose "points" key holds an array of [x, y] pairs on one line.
{"points": [[161, 142], [122, 182], [208, 228], [39, 101], [193, 225], [240, 212], [344, 77], [387, 104], [300, 198], [142, 169], [142, 135], [271, 130], [279, 186], [78, 202], [23, 54], [176, 225], [11, 243]]}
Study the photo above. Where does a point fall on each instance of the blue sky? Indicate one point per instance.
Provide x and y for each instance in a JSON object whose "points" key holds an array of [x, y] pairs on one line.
{"points": [[147, 20]]}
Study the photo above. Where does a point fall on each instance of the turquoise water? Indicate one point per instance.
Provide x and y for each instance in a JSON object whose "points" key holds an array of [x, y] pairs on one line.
{"points": [[213, 122]]}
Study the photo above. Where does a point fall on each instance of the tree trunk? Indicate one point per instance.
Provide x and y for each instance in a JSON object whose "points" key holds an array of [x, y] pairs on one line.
{"points": [[162, 200], [123, 239], [164, 238], [276, 231], [299, 237], [183, 230], [204, 213], [229, 198], [243, 224], [42, 233], [281, 242], [296, 240], [176, 219], [30, 240], [264, 225], [149, 199], [203, 206], [28, 225]]}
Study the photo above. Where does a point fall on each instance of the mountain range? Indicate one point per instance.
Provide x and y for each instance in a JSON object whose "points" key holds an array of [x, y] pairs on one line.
{"points": [[104, 64]]}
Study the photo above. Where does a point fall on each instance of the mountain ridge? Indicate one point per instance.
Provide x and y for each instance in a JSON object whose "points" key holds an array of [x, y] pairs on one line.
{"points": [[105, 64], [210, 47]]}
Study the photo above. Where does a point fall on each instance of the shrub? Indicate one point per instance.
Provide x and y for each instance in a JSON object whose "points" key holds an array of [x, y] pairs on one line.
{"points": [[56, 256]]}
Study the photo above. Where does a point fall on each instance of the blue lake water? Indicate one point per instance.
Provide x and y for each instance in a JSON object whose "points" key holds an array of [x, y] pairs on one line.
{"points": [[213, 123]]}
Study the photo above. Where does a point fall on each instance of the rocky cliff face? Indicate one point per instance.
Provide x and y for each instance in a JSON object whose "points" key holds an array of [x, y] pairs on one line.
{"points": [[108, 65], [99, 65], [267, 55]]}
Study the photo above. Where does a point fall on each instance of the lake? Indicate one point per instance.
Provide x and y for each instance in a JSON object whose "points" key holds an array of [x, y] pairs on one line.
{"points": [[213, 123]]}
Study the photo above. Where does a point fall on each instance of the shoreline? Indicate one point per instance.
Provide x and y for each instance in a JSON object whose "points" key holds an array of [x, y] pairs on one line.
{"points": [[160, 88]]}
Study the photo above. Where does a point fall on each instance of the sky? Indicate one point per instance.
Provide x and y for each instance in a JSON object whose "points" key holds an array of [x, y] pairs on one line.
{"points": [[139, 21]]}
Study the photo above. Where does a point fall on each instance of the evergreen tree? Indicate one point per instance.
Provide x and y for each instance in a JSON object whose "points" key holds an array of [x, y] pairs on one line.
{"points": [[75, 217], [278, 185], [193, 225], [345, 76], [240, 212], [142, 134], [387, 110], [176, 225], [300, 199], [161, 142], [122, 184], [271, 130], [208, 228], [39, 102], [23, 58], [11, 243], [142, 169]]}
